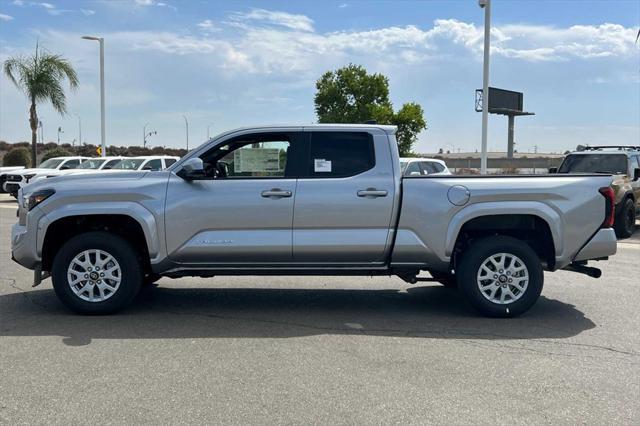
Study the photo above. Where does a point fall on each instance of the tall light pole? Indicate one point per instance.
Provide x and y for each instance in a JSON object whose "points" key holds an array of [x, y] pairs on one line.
{"points": [[486, 4], [144, 135], [59, 131], [208, 136], [79, 130], [186, 123], [102, 123]]}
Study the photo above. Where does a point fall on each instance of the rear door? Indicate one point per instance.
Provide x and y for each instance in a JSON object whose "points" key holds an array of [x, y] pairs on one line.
{"points": [[344, 199]]}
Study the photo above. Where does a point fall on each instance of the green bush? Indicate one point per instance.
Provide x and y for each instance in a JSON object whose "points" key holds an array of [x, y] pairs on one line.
{"points": [[55, 152], [17, 157]]}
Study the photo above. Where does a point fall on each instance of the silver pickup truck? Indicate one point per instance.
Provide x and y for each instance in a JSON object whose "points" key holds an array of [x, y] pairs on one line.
{"points": [[312, 200]]}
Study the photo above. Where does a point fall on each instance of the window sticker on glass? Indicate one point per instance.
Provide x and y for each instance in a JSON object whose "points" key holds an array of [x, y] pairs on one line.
{"points": [[256, 160], [321, 165]]}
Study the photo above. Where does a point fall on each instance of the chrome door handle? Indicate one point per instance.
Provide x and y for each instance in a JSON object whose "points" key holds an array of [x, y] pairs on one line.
{"points": [[372, 192], [276, 193]]}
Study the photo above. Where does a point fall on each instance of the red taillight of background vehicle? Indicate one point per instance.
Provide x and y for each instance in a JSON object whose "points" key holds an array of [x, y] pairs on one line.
{"points": [[610, 206]]}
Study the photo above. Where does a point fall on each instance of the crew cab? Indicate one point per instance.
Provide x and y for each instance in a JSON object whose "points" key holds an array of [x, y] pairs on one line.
{"points": [[318, 199], [621, 161], [20, 178]]}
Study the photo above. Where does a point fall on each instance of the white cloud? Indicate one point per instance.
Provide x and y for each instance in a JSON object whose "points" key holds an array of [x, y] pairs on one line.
{"points": [[208, 26], [88, 12], [266, 47], [18, 2], [283, 19], [47, 5], [343, 5], [5, 18]]}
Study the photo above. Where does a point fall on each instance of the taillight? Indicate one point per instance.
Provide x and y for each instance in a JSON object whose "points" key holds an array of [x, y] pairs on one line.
{"points": [[610, 206]]}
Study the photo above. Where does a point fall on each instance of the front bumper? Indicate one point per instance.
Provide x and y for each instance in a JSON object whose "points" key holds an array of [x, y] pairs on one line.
{"points": [[23, 247], [11, 187], [602, 244]]}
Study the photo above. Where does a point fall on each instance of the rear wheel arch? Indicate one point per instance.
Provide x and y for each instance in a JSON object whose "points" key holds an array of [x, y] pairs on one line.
{"points": [[532, 229]]}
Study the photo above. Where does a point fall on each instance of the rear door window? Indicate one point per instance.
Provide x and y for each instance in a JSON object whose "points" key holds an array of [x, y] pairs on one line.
{"points": [[169, 161], [340, 154]]}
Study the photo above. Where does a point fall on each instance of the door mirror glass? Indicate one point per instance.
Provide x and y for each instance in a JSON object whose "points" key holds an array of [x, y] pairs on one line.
{"points": [[553, 170], [192, 169]]}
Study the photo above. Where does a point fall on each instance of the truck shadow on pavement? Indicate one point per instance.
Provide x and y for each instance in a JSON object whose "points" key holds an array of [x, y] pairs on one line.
{"points": [[179, 313]]}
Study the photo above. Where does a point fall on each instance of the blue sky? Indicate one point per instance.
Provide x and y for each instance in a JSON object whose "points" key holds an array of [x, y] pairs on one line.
{"points": [[229, 64]]}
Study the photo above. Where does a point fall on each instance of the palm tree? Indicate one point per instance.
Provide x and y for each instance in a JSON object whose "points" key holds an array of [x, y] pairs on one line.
{"points": [[40, 77]]}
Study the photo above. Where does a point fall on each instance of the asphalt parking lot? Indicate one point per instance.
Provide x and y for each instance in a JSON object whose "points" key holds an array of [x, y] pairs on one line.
{"points": [[322, 350]]}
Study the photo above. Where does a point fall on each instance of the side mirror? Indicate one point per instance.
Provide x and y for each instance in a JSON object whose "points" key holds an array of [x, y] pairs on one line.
{"points": [[147, 168], [636, 174], [553, 170], [192, 169], [65, 168]]}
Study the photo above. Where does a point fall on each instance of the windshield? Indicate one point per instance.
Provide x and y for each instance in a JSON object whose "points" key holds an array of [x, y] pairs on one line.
{"points": [[91, 164], [129, 164], [594, 163], [51, 163], [403, 166]]}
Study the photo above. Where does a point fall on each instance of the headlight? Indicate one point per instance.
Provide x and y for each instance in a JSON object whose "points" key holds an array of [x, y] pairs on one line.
{"points": [[35, 198]]}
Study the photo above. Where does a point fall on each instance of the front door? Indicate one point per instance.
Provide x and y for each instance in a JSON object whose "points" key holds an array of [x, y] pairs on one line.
{"points": [[344, 199], [241, 212]]}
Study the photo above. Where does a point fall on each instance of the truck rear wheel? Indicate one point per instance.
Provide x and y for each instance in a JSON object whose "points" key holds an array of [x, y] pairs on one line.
{"points": [[500, 276], [96, 273], [625, 222]]}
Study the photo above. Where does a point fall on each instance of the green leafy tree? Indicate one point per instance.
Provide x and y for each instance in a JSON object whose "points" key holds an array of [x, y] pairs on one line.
{"points": [[351, 95], [17, 157], [40, 77], [55, 152], [410, 122]]}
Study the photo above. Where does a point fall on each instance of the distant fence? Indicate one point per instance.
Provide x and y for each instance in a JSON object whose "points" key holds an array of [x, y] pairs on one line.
{"points": [[525, 165]]}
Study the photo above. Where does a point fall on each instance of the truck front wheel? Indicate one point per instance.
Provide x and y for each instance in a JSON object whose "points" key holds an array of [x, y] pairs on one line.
{"points": [[96, 273], [500, 276]]}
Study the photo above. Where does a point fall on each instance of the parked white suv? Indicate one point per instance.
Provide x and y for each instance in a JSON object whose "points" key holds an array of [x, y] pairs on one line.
{"points": [[87, 166], [18, 179], [150, 162], [411, 166]]}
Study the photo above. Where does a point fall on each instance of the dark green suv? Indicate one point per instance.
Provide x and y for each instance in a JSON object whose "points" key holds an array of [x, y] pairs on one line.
{"points": [[623, 162]]}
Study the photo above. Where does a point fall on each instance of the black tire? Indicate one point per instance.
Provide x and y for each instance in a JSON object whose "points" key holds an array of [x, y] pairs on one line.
{"points": [[625, 222], [471, 262], [447, 280], [122, 252]]}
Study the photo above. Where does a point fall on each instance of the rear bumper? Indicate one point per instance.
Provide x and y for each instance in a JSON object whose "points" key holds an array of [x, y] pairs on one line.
{"points": [[603, 244]]}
